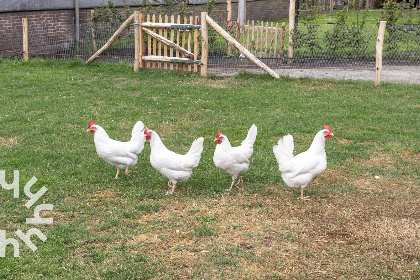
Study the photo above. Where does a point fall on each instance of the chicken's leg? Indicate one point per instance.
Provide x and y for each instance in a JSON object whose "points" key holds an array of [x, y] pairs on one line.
{"points": [[237, 183], [240, 181], [171, 186], [301, 195], [127, 172], [118, 172], [231, 185]]}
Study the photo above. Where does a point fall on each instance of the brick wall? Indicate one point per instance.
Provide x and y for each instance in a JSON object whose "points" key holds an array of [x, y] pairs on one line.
{"points": [[44, 27]]}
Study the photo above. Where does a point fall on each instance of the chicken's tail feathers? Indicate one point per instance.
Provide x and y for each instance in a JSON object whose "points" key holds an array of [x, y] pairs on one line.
{"points": [[137, 137], [284, 149], [196, 150], [252, 135], [248, 143]]}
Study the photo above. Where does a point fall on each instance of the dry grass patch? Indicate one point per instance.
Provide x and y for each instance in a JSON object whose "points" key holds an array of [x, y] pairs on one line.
{"points": [[122, 81], [8, 141], [263, 236], [363, 231], [342, 140], [212, 82], [400, 236]]}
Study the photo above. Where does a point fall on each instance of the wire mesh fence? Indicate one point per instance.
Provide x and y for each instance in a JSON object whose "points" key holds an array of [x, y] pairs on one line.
{"points": [[327, 45]]}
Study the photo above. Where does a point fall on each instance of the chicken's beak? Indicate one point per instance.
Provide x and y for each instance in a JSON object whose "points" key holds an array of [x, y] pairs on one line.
{"points": [[88, 130], [331, 134], [215, 139]]}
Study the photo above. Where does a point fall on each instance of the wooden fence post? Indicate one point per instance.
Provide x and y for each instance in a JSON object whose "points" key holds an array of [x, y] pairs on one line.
{"points": [[291, 26], [92, 28], [204, 44], [282, 35], [379, 46], [25, 39], [137, 28], [229, 21], [142, 50]]}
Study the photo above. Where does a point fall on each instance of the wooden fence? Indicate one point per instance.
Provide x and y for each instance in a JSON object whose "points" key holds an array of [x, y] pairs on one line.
{"points": [[174, 45], [263, 39]]}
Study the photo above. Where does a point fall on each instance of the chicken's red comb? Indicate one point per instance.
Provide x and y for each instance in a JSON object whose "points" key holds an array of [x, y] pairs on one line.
{"points": [[327, 127], [218, 133], [91, 123], [146, 130]]}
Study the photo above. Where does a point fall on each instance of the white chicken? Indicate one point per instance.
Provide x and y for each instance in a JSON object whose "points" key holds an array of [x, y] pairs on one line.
{"points": [[234, 160], [173, 166], [122, 155], [298, 171]]}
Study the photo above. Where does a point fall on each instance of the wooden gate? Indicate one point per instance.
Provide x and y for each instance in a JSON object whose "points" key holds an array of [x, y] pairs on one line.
{"points": [[170, 45]]}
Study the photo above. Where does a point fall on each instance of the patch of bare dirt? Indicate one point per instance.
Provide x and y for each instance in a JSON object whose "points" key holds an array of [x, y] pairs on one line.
{"points": [[8, 141]]}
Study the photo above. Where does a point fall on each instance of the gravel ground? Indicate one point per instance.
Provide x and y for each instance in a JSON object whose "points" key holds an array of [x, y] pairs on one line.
{"points": [[401, 74], [405, 74]]}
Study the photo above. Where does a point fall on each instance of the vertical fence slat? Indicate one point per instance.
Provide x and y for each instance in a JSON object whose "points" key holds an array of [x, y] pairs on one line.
{"points": [[247, 36], [196, 44], [141, 42], [154, 42], [257, 36], [172, 37], [149, 44], [178, 40], [159, 46], [262, 38], [266, 39], [165, 47], [184, 35], [272, 39], [282, 36], [253, 38], [137, 41], [190, 40], [243, 33], [276, 37], [238, 31]]}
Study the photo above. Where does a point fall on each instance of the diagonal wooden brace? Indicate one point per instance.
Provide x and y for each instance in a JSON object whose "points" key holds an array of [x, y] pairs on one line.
{"points": [[168, 42]]}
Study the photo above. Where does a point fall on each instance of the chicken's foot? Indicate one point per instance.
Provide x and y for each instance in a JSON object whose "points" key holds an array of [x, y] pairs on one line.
{"points": [[237, 183], [172, 187], [240, 181], [118, 172]]}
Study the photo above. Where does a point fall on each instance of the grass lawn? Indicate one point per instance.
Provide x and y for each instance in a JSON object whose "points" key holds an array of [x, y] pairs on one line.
{"points": [[355, 226]]}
